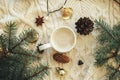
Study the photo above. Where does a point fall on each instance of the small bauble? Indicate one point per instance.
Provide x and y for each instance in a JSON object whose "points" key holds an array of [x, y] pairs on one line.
{"points": [[6, 53], [67, 13], [113, 51], [0, 49], [34, 36], [61, 71], [0, 52], [61, 58]]}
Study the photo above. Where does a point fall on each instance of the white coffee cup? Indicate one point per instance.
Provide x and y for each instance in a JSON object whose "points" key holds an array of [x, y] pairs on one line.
{"points": [[62, 39]]}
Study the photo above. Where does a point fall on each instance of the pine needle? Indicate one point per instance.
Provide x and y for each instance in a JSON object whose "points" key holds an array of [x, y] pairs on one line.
{"points": [[109, 41]]}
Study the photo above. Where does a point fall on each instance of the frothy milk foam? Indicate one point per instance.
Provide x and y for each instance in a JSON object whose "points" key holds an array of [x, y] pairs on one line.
{"points": [[63, 39]]}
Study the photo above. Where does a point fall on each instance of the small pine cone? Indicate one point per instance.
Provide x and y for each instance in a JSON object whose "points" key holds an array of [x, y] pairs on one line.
{"points": [[84, 26]]}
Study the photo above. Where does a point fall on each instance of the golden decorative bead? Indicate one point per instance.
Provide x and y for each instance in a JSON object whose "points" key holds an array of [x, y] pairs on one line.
{"points": [[67, 13], [36, 37], [0, 49], [61, 71], [33, 37]]}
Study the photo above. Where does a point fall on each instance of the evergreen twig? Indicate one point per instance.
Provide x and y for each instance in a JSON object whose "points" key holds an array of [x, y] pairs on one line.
{"points": [[111, 40], [10, 26], [22, 69], [2, 45], [113, 54], [116, 71], [19, 43], [104, 25], [27, 55], [13, 74], [9, 37], [36, 73], [12, 61]]}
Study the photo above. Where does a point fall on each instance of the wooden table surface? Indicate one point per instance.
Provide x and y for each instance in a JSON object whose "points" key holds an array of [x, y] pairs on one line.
{"points": [[24, 13]]}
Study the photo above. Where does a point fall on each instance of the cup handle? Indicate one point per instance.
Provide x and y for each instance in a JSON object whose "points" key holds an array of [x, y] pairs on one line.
{"points": [[44, 46]]}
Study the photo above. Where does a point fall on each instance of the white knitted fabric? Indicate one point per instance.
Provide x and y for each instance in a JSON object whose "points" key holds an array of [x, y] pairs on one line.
{"points": [[24, 13]]}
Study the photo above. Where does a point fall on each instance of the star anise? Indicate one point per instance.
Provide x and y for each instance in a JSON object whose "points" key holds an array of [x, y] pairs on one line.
{"points": [[39, 21]]}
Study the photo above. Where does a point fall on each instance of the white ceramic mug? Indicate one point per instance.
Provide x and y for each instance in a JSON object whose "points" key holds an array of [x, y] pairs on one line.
{"points": [[62, 39]]}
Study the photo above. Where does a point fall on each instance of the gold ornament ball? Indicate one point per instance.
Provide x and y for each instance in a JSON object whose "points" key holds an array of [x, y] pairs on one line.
{"points": [[61, 71], [0, 50], [67, 13], [36, 37]]}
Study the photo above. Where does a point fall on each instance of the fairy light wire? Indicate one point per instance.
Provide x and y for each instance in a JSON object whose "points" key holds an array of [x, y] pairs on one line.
{"points": [[117, 1], [49, 12]]}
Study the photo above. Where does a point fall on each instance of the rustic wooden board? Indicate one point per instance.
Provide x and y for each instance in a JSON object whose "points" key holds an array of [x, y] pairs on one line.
{"points": [[24, 13]]}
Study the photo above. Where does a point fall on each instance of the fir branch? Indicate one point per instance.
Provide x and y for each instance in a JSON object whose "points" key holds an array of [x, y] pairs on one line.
{"points": [[13, 74], [2, 45], [1, 41], [113, 54], [116, 29], [113, 73], [109, 40], [13, 65], [10, 25], [106, 27], [22, 69], [9, 37], [36, 73], [23, 37], [101, 60], [27, 55], [9, 58], [19, 43], [10, 29], [116, 70]]}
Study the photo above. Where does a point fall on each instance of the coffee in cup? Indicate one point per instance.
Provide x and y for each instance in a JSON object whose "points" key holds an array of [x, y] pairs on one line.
{"points": [[62, 39]]}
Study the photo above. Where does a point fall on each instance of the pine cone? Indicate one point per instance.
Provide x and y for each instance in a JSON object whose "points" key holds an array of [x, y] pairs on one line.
{"points": [[84, 26]]}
